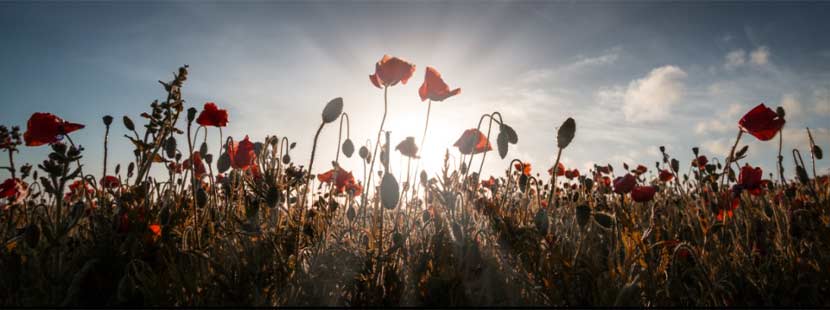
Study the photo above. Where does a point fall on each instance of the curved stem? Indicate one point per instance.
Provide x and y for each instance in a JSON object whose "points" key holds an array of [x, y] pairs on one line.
{"points": [[484, 156], [375, 152], [731, 154], [311, 161], [553, 180]]}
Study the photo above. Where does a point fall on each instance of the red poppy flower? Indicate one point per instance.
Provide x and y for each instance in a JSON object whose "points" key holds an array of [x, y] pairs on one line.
{"points": [[434, 87], [666, 175], [341, 178], [156, 230], [212, 116], [391, 70], [761, 122], [640, 170], [643, 193], [355, 189], [700, 162], [560, 170], [605, 180], [15, 190], [473, 141], [45, 128], [197, 164], [624, 184], [750, 179], [489, 183], [76, 189], [174, 167], [242, 154], [408, 148], [571, 174], [110, 182], [527, 168], [604, 169], [256, 173], [726, 211]]}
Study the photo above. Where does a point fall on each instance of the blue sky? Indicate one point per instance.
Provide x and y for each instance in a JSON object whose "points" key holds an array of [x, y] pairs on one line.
{"points": [[634, 75]]}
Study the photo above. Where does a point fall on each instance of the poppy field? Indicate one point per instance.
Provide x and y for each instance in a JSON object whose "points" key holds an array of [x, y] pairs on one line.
{"points": [[250, 224]]}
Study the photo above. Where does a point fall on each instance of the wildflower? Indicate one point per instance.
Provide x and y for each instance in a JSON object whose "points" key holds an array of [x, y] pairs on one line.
{"points": [[76, 189], [624, 184], [473, 141], [700, 162], [45, 128], [110, 182], [156, 230], [212, 116], [761, 122], [391, 70], [571, 174], [750, 179], [15, 190], [560, 170], [640, 170], [666, 175], [242, 154], [434, 88], [408, 148], [198, 165], [604, 169], [489, 183], [525, 170], [727, 206], [355, 189], [341, 179], [643, 193]]}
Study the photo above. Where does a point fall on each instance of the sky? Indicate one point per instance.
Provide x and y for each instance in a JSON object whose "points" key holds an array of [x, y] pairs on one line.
{"points": [[634, 75]]}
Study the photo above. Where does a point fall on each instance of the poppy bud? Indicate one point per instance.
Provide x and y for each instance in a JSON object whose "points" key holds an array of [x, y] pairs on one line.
{"points": [[350, 214], [662, 149], [348, 148], [191, 114], [364, 152], [128, 123], [695, 150], [780, 111], [286, 159], [107, 120], [817, 152]]}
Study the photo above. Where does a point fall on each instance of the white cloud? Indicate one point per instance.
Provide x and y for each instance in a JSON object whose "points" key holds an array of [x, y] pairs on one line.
{"points": [[719, 147], [714, 125], [739, 57], [791, 106], [735, 59], [733, 110], [822, 99], [651, 98], [760, 56]]}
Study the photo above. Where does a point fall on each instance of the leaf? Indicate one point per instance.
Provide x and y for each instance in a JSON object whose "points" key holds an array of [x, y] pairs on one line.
{"points": [[348, 148], [170, 147], [332, 110], [501, 142], [566, 133], [389, 191], [742, 152], [512, 137]]}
